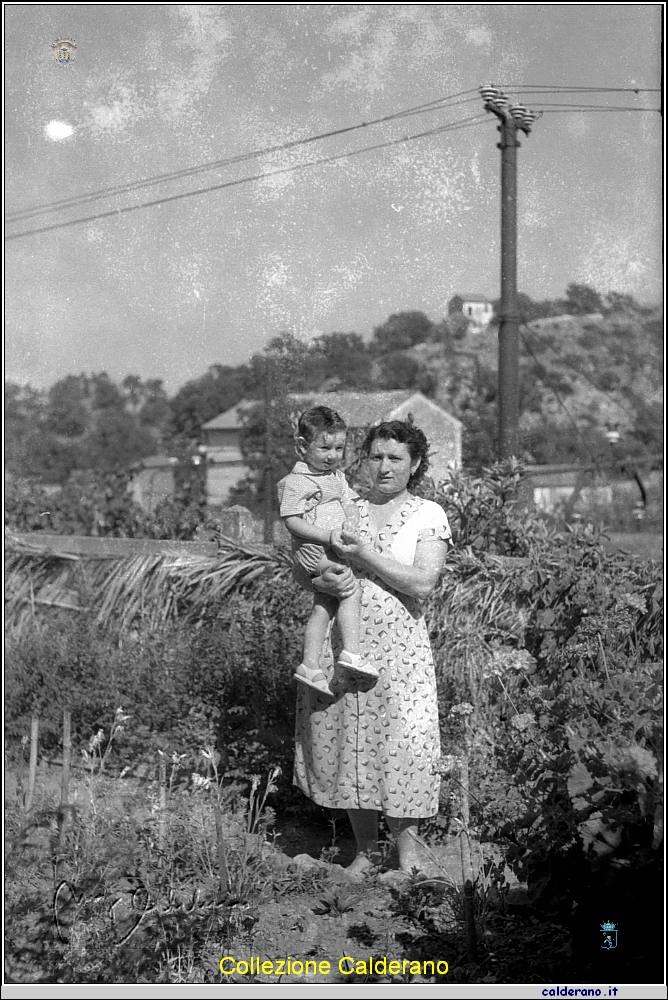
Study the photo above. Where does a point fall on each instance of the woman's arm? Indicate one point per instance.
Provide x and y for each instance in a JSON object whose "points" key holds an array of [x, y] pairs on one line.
{"points": [[417, 580]]}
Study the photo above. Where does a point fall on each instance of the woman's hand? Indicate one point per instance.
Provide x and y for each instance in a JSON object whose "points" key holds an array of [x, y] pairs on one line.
{"points": [[347, 545], [338, 581]]}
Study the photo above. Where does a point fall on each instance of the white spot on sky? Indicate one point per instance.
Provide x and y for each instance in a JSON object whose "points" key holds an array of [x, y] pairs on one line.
{"points": [[480, 37], [577, 125], [58, 131]]}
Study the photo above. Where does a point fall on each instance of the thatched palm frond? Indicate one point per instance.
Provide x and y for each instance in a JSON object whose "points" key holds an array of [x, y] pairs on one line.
{"points": [[155, 586]]}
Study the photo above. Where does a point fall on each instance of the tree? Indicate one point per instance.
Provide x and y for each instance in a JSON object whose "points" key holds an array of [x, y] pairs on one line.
{"points": [[457, 325], [401, 331], [31, 447], [582, 299], [617, 302], [455, 305], [202, 399], [340, 356], [68, 414], [116, 442], [397, 370], [106, 395]]}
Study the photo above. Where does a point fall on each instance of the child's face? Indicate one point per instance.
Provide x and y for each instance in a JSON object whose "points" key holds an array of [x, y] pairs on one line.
{"points": [[325, 452]]}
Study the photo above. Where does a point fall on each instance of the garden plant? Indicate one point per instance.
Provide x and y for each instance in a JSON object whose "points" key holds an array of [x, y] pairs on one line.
{"points": [[176, 677]]}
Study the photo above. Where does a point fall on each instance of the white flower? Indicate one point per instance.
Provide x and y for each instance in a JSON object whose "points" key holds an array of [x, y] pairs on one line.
{"points": [[464, 708], [522, 721], [96, 740], [199, 781]]}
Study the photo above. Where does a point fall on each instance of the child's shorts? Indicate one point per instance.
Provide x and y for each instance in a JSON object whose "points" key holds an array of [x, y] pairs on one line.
{"points": [[308, 556]]}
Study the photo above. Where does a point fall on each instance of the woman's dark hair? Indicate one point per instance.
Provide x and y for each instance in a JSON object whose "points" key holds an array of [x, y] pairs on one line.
{"points": [[405, 432], [318, 420]]}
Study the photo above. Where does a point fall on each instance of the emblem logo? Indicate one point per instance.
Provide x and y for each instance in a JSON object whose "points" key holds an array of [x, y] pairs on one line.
{"points": [[64, 50], [609, 932]]}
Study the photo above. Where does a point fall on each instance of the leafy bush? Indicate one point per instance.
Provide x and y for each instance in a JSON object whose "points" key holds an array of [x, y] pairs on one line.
{"points": [[547, 650]]}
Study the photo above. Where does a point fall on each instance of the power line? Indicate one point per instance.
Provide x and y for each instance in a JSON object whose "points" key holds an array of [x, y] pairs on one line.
{"points": [[451, 126], [558, 108], [558, 88], [435, 105]]}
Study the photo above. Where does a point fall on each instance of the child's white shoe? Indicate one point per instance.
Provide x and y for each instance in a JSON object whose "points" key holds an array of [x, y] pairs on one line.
{"points": [[312, 678], [357, 666]]}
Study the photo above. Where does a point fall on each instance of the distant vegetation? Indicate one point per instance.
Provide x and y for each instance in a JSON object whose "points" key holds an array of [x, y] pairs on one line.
{"points": [[589, 363]]}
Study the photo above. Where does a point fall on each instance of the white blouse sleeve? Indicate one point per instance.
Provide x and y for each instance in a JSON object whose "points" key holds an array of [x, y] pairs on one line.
{"points": [[434, 523], [428, 523]]}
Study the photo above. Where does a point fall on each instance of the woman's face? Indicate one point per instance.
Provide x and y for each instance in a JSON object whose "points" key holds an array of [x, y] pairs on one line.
{"points": [[390, 467]]}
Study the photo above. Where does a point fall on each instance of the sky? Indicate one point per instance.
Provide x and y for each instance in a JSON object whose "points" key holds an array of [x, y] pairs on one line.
{"points": [[165, 291]]}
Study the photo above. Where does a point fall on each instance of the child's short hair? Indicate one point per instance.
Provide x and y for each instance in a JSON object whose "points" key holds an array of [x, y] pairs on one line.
{"points": [[319, 420]]}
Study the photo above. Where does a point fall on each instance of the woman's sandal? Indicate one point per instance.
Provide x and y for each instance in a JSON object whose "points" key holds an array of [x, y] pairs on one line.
{"points": [[357, 666], [312, 678]]}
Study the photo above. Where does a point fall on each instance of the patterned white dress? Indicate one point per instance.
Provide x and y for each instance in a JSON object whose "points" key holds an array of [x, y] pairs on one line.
{"points": [[374, 745]]}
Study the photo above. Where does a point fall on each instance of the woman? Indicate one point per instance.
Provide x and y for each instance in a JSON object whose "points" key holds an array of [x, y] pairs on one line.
{"points": [[373, 747]]}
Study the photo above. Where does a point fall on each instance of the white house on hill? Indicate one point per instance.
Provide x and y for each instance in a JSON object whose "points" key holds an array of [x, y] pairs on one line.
{"points": [[478, 309]]}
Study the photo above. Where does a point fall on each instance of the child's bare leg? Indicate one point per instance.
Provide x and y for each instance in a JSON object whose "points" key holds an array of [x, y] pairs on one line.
{"points": [[348, 618], [324, 609]]}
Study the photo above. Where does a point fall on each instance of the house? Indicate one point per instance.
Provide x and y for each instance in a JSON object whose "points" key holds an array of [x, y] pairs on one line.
{"points": [[152, 480], [478, 309], [224, 462], [360, 409]]}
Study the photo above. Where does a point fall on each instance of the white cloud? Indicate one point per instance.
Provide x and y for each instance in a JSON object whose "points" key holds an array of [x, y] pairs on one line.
{"points": [[206, 37], [620, 260]]}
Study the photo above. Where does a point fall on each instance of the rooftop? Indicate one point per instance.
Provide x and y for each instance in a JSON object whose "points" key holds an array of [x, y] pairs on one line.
{"points": [[230, 419], [361, 408], [476, 298], [358, 409]]}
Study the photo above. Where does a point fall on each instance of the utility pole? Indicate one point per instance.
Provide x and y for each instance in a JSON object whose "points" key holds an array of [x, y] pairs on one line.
{"points": [[514, 118]]}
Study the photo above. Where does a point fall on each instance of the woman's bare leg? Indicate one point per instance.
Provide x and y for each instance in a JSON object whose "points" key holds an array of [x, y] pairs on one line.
{"points": [[405, 834], [365, 827]]}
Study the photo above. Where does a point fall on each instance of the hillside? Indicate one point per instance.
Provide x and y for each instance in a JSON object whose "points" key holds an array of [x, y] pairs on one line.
{"points": [[580, 375]]}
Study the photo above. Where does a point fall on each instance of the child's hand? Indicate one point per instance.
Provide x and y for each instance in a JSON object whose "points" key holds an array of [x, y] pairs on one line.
{"points": [[349, 535], [345, 549]]}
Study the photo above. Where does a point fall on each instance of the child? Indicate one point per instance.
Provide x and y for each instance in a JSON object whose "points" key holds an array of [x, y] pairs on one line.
{"points": [[313, 500]]}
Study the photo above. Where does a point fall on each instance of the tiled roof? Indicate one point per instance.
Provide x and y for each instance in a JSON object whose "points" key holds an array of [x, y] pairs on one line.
{"points": [[229, 420], [357, 408], [155, 462]]}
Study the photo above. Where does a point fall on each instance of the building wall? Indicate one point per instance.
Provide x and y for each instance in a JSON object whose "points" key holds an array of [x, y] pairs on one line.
{"points": [[150, 486], [220, 479], [226, 438], [443, 433], [479, 312]]}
